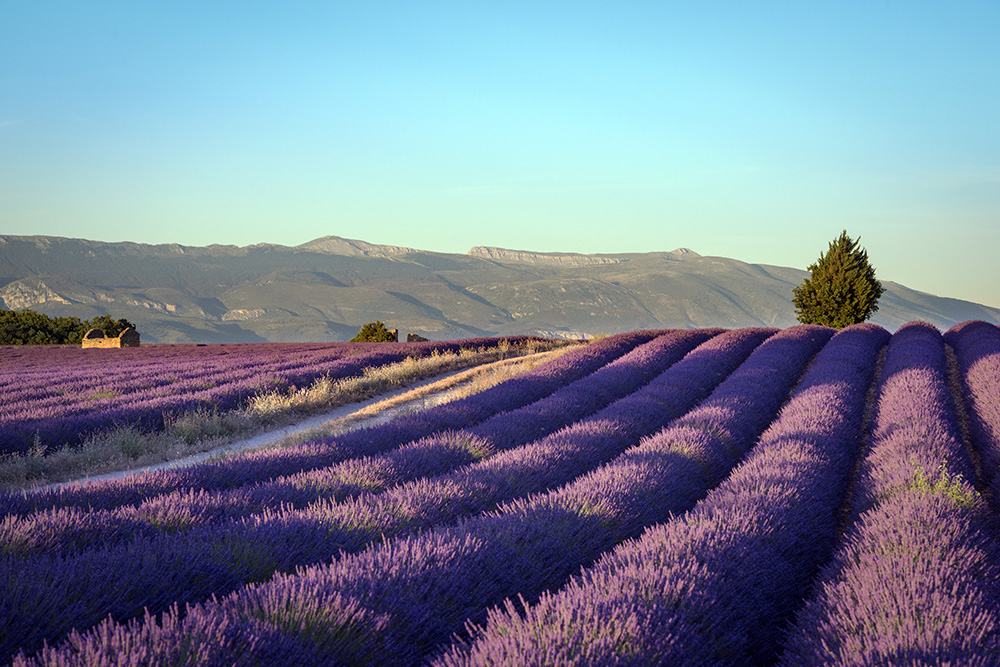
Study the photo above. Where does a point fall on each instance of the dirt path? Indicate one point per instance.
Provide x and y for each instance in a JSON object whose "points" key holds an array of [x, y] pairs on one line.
{"points": [[417, 396]]}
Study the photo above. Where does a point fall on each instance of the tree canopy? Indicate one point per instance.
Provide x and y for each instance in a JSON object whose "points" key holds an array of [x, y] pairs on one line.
{"points": [[841, 288], [27, 327], [374, 332]]}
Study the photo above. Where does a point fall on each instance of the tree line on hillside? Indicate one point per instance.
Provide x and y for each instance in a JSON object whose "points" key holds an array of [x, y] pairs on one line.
{"points": [[27, 327]]}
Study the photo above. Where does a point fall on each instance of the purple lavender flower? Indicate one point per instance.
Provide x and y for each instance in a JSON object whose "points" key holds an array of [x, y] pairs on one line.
{"points": [[259, 466], [915, 580], [712, 586], [213, 559], [977, 348], [62, 396], [62, 531], [417, 590]]}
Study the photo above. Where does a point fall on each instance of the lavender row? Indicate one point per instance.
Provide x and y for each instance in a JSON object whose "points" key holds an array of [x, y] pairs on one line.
{"points": [[252, 468], [52, 358], [50, 368], [69, 387], [222, 390], [403, 597], [30, 368], [23, 422], [916, 579], [977, 348], [503, 430], [72, 528], [215, 559], [69, 529], [715, 585]]}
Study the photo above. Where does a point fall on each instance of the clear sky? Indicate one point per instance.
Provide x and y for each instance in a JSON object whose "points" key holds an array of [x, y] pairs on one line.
{"points": [[754, 130]]}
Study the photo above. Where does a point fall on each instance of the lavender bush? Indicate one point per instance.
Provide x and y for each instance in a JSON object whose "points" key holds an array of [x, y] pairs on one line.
{"points": [[715, 585], [916, 579], [977, 348], [70, 529], [60, 396], [409, 594], [252, 468], [214, 559], [698, 545]]}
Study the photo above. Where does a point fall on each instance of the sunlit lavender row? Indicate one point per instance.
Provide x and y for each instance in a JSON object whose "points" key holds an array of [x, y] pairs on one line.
{"points": [[745, 497], [917, 578], [54, 403]]}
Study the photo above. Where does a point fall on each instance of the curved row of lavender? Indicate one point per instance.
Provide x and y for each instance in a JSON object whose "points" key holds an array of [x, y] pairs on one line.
{"points": [[58, 406], [50, 358], [214, 559], [405, 596], [32, 370], [715, 585], [917, 579], [56, 375], [256, 467], [977, 349], [66, 530]]}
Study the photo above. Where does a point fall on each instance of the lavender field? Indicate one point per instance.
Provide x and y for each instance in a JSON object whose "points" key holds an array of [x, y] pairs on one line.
{"points": [[60, 395], [707, 497]]}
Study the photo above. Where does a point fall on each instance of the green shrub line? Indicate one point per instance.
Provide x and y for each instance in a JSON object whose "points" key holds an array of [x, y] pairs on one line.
{"points": [[27, 327]]}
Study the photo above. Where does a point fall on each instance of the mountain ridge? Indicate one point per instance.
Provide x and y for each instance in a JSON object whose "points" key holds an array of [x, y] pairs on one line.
{"points": [[325, 289], [560, 258]]}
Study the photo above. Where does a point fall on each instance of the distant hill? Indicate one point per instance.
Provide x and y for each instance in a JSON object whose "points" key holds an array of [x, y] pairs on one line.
{"points": [[327, 288]]}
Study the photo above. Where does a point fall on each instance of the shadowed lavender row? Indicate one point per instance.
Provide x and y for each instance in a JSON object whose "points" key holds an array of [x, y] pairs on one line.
{"points": [[252, 468], [215, 559], [916, 579], [977, 348], [715, 585], [404, 597], [69, 529], [127, 394]]}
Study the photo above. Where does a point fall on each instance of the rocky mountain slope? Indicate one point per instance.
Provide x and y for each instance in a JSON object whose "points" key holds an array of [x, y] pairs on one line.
{"points": [[327, 288]]}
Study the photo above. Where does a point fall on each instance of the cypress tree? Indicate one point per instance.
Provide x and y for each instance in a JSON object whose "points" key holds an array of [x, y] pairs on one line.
{"points": [[841, 288]]}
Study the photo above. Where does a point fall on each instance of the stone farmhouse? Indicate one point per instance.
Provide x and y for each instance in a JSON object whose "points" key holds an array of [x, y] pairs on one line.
{"points": [[96, 338]]}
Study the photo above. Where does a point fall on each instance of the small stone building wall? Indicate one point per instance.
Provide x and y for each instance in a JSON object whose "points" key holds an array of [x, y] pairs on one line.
{"points": [[96, 338]]}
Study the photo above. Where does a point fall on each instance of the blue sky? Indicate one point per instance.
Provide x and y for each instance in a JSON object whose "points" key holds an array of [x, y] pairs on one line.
{"points": [[752, 130]]}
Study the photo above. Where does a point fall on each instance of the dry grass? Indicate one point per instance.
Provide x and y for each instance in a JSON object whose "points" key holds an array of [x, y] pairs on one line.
{"points": [[326, 392], [126, 448], [449, 389]]}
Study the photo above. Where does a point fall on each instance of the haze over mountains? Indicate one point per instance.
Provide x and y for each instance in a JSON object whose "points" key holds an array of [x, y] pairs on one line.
{"points": [[324, 290]]}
